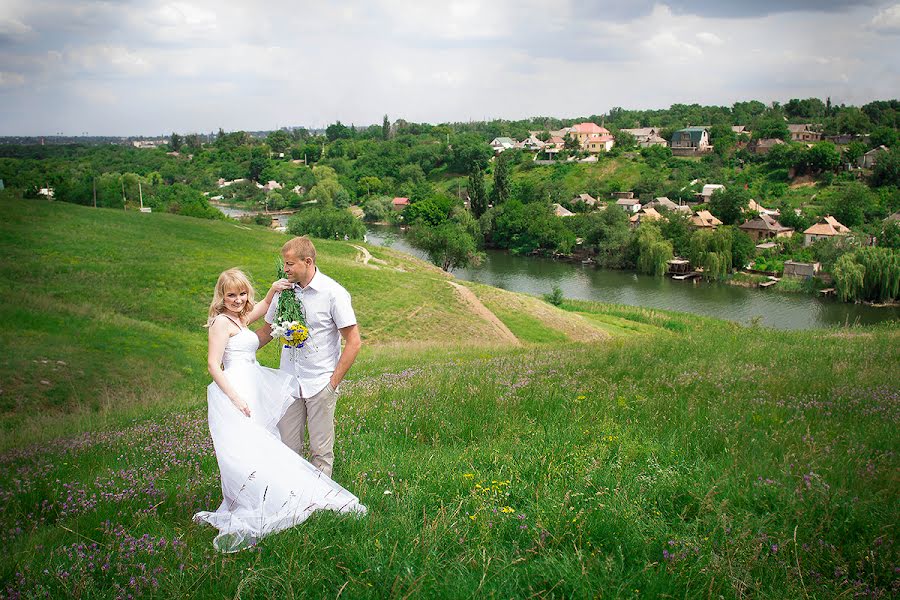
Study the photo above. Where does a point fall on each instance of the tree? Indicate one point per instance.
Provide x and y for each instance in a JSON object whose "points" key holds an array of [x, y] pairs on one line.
{"points": [[570, 142], [711, 250], [624, 140], [886, 171], [175, 142], [326, 223], [890, 235], [850, 204], [192, 142], [449, 245], [728, 204], [378, 209], [467, 150], [854, 151], [848, 278], [337, 131], [500, 191], [610, 236], [279, 141], [431, 211], [653, 250], [385, 129], [477, 196], [823, 157], [743, 248], [677, 228], [259, 160], [883, 136], [772, 127]]}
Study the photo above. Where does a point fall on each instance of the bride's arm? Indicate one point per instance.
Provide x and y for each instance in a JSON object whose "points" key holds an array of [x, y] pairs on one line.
{"points": [[263, 305], [218, 337]]}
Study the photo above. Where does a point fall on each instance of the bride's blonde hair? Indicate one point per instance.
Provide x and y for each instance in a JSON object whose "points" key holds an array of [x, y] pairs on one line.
{"points": [[232, 279]]}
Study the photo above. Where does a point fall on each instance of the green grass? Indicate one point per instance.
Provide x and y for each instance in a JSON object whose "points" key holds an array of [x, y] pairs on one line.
{"points": [[689, 458]]}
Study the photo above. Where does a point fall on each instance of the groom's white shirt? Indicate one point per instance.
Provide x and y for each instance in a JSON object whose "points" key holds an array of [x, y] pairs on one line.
{"points": [[327, 309]]}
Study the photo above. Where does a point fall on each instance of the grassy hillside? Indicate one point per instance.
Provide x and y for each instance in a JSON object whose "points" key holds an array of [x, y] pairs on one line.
{"points": [[614, 451]]}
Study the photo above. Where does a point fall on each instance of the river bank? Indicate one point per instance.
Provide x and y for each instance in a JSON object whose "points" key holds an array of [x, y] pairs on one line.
{"points": [[538, 275]]}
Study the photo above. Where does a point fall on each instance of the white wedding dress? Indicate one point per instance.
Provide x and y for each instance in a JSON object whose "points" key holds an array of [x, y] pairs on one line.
{"points": [[266, 486]]}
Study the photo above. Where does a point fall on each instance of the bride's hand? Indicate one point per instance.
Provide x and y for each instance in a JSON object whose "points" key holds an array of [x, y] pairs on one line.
{"points": [[281, 285], [242, 406]]}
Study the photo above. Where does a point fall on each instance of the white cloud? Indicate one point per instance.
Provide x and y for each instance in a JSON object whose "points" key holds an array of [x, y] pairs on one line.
{"points": [[236, 65], [9, 79], [108, 60], [887, 20], [666, 46], [13, 28], [709, 39]]}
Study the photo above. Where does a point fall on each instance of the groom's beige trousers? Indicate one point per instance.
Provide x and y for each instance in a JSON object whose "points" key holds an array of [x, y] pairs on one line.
{"points": [[316, 414]]}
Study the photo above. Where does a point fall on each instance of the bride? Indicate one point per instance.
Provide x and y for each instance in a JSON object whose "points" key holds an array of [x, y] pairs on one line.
{"points": [[266, 486]]}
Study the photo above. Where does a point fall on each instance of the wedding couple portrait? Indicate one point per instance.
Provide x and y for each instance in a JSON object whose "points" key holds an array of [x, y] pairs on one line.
{"points": [[260, 418]]}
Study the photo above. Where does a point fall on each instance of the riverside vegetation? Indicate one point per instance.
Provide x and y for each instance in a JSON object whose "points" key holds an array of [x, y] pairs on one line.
{"points": [[614, 451], [437, 166]]}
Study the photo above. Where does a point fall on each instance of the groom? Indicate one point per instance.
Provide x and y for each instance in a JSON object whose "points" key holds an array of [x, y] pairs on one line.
{"points": [[321, 366]]}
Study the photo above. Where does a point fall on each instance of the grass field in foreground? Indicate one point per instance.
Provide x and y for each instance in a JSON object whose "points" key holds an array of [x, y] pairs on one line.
{"points": [[693, 458]]}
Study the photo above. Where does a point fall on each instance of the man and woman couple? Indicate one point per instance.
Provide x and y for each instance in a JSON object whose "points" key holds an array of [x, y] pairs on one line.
{"points": [[258, 417]]}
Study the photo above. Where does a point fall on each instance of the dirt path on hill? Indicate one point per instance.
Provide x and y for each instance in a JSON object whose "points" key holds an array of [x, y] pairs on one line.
{"points": [[480, 310], [366, 256]]}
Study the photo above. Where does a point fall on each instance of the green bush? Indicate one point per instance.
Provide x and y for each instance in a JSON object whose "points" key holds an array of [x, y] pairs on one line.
{"points": [[326, 223]]}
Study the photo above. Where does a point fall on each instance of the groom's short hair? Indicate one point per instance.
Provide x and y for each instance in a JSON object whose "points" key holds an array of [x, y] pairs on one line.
{"points": [[300, 247]]}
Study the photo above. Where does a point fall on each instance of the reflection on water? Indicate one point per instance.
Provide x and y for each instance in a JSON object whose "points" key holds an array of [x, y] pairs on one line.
{"points": [[535, 275]]}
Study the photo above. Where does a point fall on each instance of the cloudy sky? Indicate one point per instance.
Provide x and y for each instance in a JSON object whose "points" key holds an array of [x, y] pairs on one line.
{"points": [[146, 67]]}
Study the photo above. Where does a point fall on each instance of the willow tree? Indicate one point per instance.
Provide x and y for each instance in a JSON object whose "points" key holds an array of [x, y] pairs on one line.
{"points": [[711, 250], [848, 278], [654, 251], [881, 280]]}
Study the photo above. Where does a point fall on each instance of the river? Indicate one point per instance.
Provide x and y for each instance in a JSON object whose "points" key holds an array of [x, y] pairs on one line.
{"points": [[537, 275]]}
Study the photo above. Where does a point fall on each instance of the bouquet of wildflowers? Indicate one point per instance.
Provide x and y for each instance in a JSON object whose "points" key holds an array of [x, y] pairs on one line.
{"points": [[289, 325]]}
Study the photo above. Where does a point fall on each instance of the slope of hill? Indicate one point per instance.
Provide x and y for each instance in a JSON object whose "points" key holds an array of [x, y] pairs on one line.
{"points": [[611, 451]]}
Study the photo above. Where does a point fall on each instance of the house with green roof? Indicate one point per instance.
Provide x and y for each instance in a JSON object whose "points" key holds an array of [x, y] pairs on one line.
{"points": [[695, 138]]}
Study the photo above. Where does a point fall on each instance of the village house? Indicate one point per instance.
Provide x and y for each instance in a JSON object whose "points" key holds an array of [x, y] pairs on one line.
{"points": [[754, 206], [868, 160], [763, 146], [499, 144], [583, 131], [400, 203], [801, 270], [740, 129], [561, 211], [222, 183], [553, 146], [708, 190], [531, 143], [271, 186], [827, 227], [804, 133], [704, 218], [147, 144], [590, 137], [663, 202], [631, 205], [647, 214], [691, 140], [599, 143], [647, 136], [586, 198], [765, 227]]}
